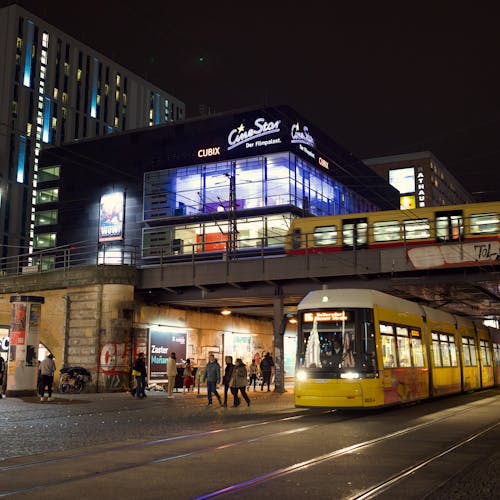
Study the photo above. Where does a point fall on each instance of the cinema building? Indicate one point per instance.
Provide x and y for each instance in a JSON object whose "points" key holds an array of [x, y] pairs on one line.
{"points": [[232, 181], [218, 187]]}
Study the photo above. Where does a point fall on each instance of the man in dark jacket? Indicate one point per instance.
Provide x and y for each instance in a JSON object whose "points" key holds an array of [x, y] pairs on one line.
{"points": [[212, 376], [266, 368], [227, 376]]}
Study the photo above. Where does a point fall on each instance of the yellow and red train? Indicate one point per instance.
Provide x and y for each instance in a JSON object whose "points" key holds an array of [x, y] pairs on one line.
{"points": [[466, 234], [362, 348]]}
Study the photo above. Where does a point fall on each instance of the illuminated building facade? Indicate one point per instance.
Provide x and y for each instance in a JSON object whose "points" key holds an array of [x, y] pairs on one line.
{"points": [[228, 182], [54, 90], [421, 179]]}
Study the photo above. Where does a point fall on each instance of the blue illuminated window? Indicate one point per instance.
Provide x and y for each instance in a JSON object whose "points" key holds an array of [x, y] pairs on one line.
{"points": [[27, 55], [157, 109], [93, 99], [21, 159], [47, 130]]}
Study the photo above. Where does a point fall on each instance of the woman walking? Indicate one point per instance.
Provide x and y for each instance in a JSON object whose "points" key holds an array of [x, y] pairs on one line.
{"points": [[239, 382]]}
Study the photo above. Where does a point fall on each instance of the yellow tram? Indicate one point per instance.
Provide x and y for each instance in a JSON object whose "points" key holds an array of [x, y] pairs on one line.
{"points": [[366, 349]]}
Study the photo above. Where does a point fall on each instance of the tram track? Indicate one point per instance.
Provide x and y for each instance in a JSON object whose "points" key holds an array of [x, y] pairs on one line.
{"points": [[128, 457]]}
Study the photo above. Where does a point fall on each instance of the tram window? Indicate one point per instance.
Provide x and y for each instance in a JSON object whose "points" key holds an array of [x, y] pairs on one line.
{"points": [[325, 235], [386, 230], [417, 229], [485, 353], [469, 351], [358, 228], [436, 354], [417, 350], [403, 347], [388, 345], [496, 353], [449, 228], [484, 223]]}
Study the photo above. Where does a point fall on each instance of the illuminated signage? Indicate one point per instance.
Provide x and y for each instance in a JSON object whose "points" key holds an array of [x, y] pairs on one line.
{"points": [[239, 136], [323, 163], [111, 216], [403, 179], [326, 316], [301, 136], [4, 344], [420, 187], [215, 151], [407, 202]]}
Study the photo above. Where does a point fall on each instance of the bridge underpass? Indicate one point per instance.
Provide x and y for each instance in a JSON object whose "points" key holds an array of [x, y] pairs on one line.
{"points": [[254, 286]]}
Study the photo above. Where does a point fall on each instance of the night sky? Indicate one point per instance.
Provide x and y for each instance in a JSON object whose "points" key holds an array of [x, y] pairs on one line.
{"points": [[378, 80]]}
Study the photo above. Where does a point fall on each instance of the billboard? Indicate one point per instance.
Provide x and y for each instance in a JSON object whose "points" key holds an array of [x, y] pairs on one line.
{"points": [[162, 342], [403, 179], [111, 216]]}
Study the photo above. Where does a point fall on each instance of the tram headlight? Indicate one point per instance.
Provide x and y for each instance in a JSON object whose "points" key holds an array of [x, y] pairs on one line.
{"points": [[349, 375], [301, 375]]}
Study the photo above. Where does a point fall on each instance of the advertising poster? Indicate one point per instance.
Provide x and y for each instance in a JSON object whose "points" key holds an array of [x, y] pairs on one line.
{"points": [[162, 343], [111, 217], [18, 324]]}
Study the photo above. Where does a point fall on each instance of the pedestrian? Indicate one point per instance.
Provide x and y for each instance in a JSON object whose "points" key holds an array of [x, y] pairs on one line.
{"points": [[238, 382], [227, 376], [187, 376], [212, 376], [2, 372], [140, 373], [266, 368], [253, 371], [171, 374], [47, 370]]}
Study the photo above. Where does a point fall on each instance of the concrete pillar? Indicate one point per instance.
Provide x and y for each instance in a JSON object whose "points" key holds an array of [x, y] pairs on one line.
{"points": [[279, 330], [23, 347]]}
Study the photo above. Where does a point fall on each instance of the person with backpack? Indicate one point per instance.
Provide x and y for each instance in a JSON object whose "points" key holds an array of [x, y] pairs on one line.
{"points": [[266, 368]]}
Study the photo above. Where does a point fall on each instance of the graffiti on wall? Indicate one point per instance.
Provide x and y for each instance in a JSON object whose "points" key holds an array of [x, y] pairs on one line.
{"points": [[115, 364]]}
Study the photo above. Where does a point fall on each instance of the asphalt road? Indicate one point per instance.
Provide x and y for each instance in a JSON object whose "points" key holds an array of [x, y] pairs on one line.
{"points": [[114, 446]]}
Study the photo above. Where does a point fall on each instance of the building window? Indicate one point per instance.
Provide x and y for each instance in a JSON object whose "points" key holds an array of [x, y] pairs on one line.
{"points": [[45, 240], [46, 174], [46, 218], [47, 195]]}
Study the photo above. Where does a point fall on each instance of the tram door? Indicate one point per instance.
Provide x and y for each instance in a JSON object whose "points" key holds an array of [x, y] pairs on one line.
{"points": [[355, 233], [449, 225]]}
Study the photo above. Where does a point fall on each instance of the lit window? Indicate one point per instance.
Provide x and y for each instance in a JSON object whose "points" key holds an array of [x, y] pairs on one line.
{"points": [[386, 230], [46, 218], [417, 229], [117, 95], [118, 78], [54, 122], [29, 126], [66, 69], [325, 235], [64, 97], [49, 173], [19, 43], [117, 121], [98, 99], [484, 223], [45, 240], [47, 195], [56, 92], [78, 74]]}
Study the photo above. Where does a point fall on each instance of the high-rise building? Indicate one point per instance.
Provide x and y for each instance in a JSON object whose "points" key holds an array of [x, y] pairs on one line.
{"points": [[421, 179], [53, 90]]}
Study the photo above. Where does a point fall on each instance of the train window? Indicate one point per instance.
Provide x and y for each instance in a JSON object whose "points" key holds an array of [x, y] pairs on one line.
{"points": [[403, 347], [469, 351], [417, 350], [485, 353], [444, 349], [484, 223], [417, 229], [496, 353], [355, 231], [387, 230], [325, 235], [449, 227]]}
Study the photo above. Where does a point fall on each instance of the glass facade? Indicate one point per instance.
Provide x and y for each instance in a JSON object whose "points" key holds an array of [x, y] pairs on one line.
{"points": [[280, 182]]}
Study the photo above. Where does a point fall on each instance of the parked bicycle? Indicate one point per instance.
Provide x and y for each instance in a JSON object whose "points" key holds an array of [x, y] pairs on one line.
{"points": [[74, 379]]}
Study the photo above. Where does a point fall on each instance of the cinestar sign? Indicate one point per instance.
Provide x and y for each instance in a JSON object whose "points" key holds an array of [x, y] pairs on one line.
{"points": [[239, 136], [301, 136]]}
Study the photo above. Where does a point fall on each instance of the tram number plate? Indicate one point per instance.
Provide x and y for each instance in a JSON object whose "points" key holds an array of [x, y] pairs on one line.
{"points": [[321, 380]]}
